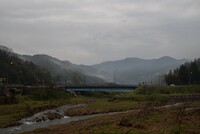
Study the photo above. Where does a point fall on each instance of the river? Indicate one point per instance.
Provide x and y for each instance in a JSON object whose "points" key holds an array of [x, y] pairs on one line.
{"points": [[29, 124]]}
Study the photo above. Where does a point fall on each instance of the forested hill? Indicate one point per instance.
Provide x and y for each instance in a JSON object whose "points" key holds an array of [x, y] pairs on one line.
{"points": [[39, 70], [188, 73], [17, 71], [126, 71], [64, 72], [135, 70]]}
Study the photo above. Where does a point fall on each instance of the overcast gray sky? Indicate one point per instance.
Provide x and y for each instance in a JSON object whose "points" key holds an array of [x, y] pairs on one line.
{"points": [[92, 31]]}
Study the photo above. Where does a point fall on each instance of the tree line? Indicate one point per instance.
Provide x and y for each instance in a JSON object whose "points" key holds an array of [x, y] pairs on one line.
{"points": [[17, 71], [186, 74]]}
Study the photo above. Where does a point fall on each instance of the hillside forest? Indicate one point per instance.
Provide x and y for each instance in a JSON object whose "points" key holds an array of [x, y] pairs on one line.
{"points": [[186, 74]]}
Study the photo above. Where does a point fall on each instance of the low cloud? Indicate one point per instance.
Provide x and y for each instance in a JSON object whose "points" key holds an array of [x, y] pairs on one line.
{"points": [[92, 31]]}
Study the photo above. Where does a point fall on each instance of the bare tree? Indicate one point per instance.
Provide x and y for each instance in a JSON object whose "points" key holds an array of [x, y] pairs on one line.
{"points": [[181, 114]]}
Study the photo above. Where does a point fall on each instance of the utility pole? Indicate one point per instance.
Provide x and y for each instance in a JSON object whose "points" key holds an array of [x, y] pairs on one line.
{"points": [[115, 76], [84, 79]]}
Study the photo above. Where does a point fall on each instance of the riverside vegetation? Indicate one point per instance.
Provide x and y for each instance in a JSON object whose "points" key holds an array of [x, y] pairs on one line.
{"points": [[145, 113]]}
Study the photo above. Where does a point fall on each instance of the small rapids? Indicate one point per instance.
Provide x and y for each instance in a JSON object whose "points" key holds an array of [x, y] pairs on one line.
{"points": [[42, 119]]}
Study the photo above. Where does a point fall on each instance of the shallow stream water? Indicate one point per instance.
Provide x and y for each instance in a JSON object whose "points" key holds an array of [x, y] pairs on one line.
{"points": [[29, 124]]}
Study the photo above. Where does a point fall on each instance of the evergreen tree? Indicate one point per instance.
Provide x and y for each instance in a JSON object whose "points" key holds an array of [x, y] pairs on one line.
{"points": [[17, 71], [194, 73], [169, 78], [183, 75], [188, 73]]}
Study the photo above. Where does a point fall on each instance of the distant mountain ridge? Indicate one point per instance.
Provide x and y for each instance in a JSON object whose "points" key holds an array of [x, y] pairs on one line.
{"points": [[125, 71], [65, 71], [135, 70]]}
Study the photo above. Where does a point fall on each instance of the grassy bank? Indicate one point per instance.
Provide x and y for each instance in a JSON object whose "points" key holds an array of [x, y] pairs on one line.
{"points": [[163, 121], [36, 101], [169, 90], [97, 101]]}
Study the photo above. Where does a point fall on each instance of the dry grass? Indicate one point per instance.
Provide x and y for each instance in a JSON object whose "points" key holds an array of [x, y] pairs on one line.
{"points": [[145, 121]]}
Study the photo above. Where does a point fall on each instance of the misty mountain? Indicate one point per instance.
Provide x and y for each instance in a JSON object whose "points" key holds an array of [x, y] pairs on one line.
{"points": [[126, 71], [135, 70], [64, 71]]}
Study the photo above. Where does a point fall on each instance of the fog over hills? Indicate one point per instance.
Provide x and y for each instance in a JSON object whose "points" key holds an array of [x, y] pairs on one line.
{"points": [[125, 71], [65, 71], [135, 70]]}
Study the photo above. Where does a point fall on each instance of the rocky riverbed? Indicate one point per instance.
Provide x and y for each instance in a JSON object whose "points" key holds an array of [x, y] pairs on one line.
{"points": [[51, 114], [47, 118]]}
